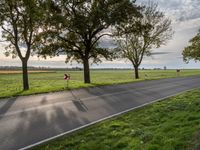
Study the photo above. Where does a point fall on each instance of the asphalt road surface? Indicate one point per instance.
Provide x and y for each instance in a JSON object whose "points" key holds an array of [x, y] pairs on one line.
{"points": [[28, 120]]}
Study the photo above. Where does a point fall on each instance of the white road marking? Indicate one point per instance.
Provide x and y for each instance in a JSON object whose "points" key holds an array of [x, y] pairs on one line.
{"points": [[105, 118]]}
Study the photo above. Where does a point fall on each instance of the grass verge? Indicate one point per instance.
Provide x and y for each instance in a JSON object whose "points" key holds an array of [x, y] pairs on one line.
{"points": [[172, 124], [11, 84]]}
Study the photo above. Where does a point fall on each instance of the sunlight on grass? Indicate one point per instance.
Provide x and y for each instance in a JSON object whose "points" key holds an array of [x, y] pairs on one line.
{"points": [[11, 84], [173, 124]]}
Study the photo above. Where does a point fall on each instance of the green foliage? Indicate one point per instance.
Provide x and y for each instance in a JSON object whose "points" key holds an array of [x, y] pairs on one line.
{"points": [[75, 27], [79, 26], [172, 124], [193, 50], [138, 36], [21, 22]]}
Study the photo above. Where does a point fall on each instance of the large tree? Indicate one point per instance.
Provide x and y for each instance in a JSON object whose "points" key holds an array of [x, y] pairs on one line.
{"points": [[20, 21], [138, 36], [76, 27], [193, 50]]}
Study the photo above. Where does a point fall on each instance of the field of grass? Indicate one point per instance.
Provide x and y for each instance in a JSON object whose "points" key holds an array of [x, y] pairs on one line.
{"points": [[11, 84], [173, 124], [19, 71]]}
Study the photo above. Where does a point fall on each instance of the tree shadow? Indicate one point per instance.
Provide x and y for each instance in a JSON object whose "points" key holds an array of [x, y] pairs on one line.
{"points": [[30, 127], [6, 105], [36, 125], [80, 105]]}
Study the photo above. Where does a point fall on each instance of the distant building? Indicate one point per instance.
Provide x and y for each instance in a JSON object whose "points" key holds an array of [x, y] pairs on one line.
{"points": [[165, 68]]}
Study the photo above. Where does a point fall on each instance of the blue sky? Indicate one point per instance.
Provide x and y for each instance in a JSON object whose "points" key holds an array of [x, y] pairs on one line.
{"points": [[185, 16]]}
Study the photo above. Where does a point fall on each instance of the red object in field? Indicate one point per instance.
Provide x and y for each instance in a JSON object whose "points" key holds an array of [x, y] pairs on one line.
{"points": [[66, 77]]}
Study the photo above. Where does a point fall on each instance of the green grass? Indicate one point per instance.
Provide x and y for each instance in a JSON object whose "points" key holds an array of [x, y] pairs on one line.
{"points": [[173, 124], [11, 84]]}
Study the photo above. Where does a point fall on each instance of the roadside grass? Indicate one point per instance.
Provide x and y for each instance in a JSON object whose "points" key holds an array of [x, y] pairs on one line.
{"points": [[171, 124], [11, 84]]}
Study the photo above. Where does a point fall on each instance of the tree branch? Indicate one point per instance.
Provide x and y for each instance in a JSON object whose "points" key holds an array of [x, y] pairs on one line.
{"points": [[96, 40], [10, 33]]}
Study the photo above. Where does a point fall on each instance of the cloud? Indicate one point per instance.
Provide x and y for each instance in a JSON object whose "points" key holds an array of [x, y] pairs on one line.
{"points": [[185, 16], [107, 42], [182, 10], [178, 10]]}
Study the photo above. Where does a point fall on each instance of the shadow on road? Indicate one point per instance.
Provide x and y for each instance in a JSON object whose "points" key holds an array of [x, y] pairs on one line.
{"points": [[80, 105], [6, 105], [36, 125], [29, 127]]}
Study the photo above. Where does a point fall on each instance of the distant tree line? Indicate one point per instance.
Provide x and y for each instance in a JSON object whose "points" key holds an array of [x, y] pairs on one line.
{"points": [[75, 28], [39, 68]]}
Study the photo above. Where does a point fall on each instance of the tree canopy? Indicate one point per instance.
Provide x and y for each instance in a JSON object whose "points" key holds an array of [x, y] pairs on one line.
{"points": [[21, 22], [138, 36], [75, 28], [193, 50]]}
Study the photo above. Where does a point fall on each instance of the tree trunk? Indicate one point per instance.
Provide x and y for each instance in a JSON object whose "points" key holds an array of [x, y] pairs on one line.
{"points": [[86, 70], [136, 72], [25, 75]]}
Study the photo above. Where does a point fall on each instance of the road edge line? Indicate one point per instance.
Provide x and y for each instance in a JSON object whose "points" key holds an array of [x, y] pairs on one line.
{"points": [[103, 119]]}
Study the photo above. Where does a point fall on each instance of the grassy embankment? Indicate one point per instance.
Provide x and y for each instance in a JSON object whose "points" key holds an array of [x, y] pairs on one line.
{"points": [[173, 124], [11, 83]]}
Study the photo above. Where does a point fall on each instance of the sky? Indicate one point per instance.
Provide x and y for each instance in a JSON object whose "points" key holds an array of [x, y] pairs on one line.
{"points": [[185, 16]]}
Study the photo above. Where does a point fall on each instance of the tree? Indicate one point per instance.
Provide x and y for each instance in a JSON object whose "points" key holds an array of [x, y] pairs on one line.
{"points": [[76, 27], [138, 36], [20, 21], [193, 50]]}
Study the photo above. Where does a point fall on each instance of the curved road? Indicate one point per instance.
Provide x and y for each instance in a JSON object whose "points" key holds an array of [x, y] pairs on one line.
{"points": [[27, 120]]}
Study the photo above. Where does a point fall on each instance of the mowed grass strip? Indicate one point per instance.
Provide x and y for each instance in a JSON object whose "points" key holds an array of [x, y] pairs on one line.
{"points": [[41, 82], [172, 124]]}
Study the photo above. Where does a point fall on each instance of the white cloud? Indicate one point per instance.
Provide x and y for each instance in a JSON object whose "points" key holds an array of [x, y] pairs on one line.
{"points": [[185, 16]]}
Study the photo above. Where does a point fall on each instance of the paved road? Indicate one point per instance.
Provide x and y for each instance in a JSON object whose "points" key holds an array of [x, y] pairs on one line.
{"points": [[31, 119]]}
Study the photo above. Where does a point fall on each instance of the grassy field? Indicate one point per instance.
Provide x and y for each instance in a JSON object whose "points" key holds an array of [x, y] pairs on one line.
{"points": [[11, 83], [19, 71], [173, 124]]}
